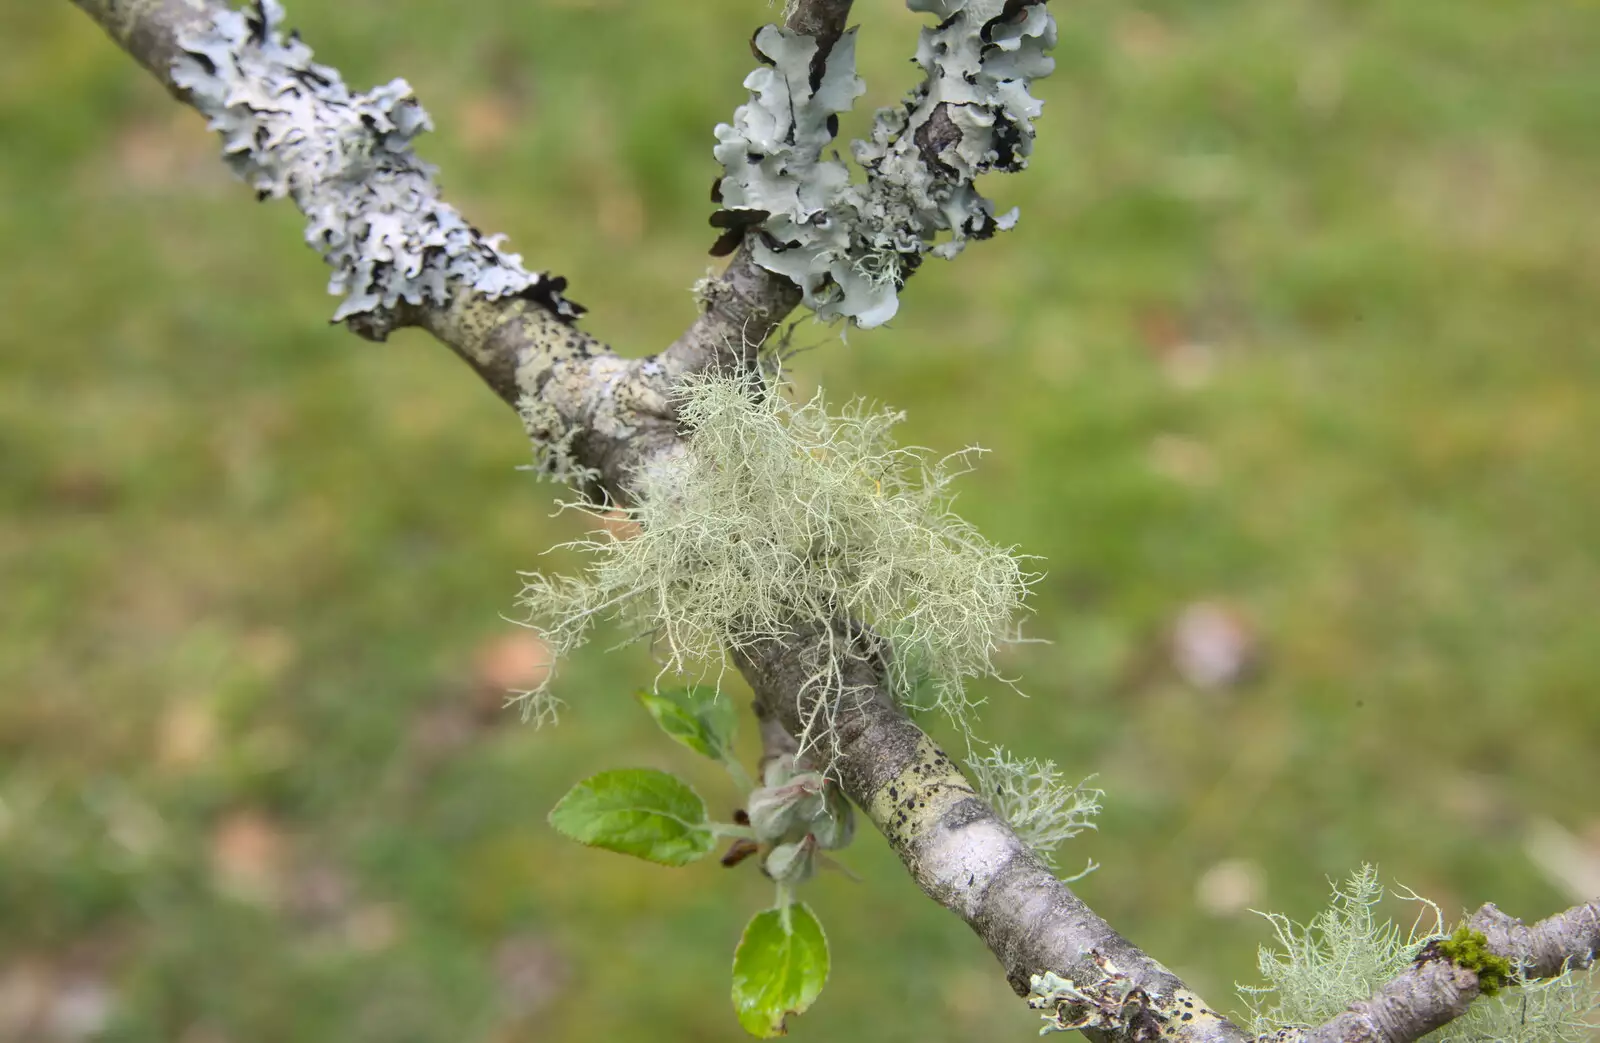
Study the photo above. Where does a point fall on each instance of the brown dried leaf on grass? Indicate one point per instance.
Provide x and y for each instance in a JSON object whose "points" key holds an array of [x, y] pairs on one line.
{"points": [[1215, 645], [249, 857]]}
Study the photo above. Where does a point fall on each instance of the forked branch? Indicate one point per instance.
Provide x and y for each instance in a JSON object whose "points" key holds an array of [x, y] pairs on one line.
{"points": [[405, 258]]}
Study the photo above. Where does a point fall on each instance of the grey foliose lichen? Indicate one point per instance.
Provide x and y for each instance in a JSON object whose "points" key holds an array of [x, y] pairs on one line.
{"points": [[777, 176], [291, 127], [849, 246]]}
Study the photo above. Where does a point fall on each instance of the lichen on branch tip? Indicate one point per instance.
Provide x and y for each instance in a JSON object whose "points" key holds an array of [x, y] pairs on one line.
{"points": [[1347, 952], [849, 246], [291, 127], [780, 515]]}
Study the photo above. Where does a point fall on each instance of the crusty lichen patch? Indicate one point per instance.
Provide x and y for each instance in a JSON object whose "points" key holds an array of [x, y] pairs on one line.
{"points": [[911, 804], [1106, 1000]]}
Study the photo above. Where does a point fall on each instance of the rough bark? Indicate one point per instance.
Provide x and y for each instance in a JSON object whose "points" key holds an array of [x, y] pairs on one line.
{"points": [[1434, 991], [961, 853]]}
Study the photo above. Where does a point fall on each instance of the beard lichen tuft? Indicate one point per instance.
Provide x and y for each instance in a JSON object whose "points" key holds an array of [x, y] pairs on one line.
{"points": [[1035, 799], [779, 516], [1348, 951]]}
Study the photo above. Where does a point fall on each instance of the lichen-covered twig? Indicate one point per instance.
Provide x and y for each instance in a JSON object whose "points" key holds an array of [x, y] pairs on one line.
{"points": [[1436, 989], [609, 419], [292, 128], [850, 245], [747, 302], [401, 255], [962, 854]]}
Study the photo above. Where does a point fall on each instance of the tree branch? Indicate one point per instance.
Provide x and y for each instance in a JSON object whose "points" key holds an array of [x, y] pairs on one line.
{"points": [[747, 302], [1434, 990], [294, 130], [962, 854], [402, 256]]}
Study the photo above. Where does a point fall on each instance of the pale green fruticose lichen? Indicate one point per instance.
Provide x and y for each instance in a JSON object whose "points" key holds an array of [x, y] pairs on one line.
{"points": [[1347, 951], [850, 244], [1035, 799], [1563, 1009], [782, 514]]}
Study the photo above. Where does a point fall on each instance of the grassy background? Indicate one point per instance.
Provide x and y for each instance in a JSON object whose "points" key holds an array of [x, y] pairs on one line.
{"points": [[1301, 318]]}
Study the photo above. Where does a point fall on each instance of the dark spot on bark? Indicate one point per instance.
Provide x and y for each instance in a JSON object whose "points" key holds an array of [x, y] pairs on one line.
{"points": [[545, 291], [819, 61], [738, 218], [257, 21], [936, 135], [737, 222], [1012, 14]]}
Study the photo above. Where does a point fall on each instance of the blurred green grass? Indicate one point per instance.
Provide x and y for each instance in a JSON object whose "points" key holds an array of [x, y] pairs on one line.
{"points": [[1301, 317]]}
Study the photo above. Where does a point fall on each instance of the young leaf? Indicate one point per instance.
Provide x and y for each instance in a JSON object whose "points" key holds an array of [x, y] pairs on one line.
{"points": [[778, 969], [704, 724], [641, 812]]}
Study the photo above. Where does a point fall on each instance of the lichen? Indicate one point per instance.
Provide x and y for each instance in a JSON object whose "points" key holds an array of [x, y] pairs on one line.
{"points": [[291, 128], [1340, 956], [1107, 1006], [1346, 952], [1561, 1009], [555, 443], [849, 246], [1034, 798], [781, 515]]}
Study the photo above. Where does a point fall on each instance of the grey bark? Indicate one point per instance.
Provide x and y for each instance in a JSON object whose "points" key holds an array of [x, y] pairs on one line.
{"points": [[961, 853]]}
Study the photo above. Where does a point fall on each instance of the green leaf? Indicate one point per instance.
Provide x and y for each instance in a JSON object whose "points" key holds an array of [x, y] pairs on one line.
{"points": [[704, 724], [779, 968], [642, 812]]}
